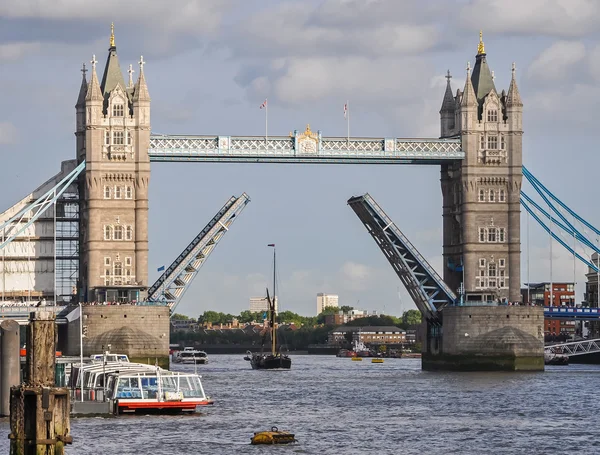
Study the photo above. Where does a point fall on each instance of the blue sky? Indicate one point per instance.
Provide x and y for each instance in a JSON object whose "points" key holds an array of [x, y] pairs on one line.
{"points": [[211, 63]]}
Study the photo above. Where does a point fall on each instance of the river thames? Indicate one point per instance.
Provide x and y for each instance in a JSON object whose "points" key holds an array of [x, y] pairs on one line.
{"points": [[336, 406]]}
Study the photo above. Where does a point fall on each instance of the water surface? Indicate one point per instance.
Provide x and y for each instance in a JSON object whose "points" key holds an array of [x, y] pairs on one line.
{"points": [[336, 406]]}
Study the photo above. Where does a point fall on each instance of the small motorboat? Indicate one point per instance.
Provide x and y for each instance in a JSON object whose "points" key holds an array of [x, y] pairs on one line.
{"points": [[272, 437], [377, 360], [357, 359]]}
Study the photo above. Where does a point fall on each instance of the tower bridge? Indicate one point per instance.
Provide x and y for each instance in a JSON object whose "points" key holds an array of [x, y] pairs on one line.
{"points": [[479, 152]]}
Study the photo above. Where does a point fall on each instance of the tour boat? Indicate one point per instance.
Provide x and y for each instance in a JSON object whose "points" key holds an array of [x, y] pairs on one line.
{"points": [[275, 359], [160, 391], [191, 355]]}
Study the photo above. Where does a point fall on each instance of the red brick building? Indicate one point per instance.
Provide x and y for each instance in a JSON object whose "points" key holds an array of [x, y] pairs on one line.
{"points": [[563, 294]]}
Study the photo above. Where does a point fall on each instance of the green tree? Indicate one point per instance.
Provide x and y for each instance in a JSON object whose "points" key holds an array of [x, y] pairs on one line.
{"points": [[411, 317], [346, 308], [180, 317]]}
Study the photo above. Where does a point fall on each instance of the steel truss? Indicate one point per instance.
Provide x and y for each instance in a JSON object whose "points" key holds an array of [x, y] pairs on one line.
{"points": [[427, 289], [174, 282], [19, 222], [575, 348], [306, 147]]}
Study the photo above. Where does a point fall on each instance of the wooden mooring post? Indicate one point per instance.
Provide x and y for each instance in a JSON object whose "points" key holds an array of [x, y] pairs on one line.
{"points": [[39, 411]]}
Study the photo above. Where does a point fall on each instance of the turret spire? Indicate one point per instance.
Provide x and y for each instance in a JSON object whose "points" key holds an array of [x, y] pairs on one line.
{"points": [[130, 71], [480, 46], [468, 98], [448, 103], [513, 98], [93, 89], [82, 89], [141, 89]]}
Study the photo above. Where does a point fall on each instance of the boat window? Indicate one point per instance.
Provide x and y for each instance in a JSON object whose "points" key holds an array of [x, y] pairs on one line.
{"points": [[168, 383]]}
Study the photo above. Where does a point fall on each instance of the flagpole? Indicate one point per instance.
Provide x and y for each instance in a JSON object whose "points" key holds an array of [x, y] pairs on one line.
{"points": [[348, 120], [266, 123]]}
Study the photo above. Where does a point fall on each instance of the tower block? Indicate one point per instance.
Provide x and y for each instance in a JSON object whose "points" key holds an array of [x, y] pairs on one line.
{"points": [[481, 208], [481, 229], [113, 136]]}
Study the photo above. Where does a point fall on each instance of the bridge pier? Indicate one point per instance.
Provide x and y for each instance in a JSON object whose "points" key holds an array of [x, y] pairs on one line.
{"points": [[486, 338]]}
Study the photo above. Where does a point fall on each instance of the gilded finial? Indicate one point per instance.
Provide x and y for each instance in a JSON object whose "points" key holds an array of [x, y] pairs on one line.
{"points": [[112, 34], [480, 46]]}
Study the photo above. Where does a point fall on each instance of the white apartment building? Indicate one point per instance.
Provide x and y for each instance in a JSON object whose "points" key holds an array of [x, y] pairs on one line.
{"points": [[258, 304], [326, 300]]}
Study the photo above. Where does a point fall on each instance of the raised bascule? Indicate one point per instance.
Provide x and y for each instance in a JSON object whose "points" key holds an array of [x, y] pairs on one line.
{"points": [[102, 197]]}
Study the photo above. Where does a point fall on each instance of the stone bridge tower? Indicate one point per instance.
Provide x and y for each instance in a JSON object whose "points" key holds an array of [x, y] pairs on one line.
{"points": [[113, 136], [481, 208]]}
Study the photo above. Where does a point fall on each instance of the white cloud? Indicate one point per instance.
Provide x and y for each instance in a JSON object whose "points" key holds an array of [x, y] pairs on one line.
{"points": [[8, 133], [568, 18], [556, 63], [14, 51], [336, 28], [185, 15]]}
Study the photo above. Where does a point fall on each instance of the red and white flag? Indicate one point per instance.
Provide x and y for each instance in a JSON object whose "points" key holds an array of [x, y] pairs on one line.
{"points": [[264, 104], [346, 110]]}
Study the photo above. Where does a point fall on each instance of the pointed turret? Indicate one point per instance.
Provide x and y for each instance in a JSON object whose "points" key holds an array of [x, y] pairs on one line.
{"points": [[448, 102], [93, 90], [82, 89], [482, 79], [447, 111], [468, 98], [112, 71], [141, 89], [513, 98], [141, 99]]}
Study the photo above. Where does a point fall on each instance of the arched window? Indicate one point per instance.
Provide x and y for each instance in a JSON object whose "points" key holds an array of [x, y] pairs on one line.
{"points": [[107, 232], [118, 110], [118, 232], [107, 137], [128, 192], [129, 233], [118, 269], [117, 192], [492, 269], [481, 195], [492, 196], [502, 196], [482, 142], [107, 192]]}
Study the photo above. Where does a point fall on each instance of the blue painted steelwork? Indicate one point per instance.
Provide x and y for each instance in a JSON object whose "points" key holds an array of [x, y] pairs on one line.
{"points": [[567, 227], [531, 178], [556, 237], [306, 147], [427, 289], [561, 312], [172, 284], [17, 224]]}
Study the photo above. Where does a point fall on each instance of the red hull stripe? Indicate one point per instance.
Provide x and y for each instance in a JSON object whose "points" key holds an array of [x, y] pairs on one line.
{"points": [[164, 404]]}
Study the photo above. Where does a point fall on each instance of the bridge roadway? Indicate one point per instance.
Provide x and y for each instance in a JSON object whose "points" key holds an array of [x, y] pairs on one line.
{"points": [[305, 147]]}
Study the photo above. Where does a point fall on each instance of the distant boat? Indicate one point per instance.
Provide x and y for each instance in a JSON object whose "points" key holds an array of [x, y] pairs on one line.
{"points": [[191, 355], [274, 360]]}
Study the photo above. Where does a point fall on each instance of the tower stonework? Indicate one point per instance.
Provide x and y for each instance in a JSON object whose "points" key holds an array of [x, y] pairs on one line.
{"points": [[481, 208], [113, 136]]}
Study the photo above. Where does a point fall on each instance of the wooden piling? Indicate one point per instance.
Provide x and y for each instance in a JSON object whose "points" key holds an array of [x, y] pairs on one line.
{"points": [[39, 411]]}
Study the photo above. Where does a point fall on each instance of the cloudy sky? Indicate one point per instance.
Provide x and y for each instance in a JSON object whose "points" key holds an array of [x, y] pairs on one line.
{"points": [[210, 63]]}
